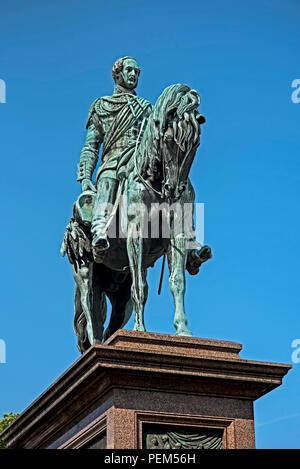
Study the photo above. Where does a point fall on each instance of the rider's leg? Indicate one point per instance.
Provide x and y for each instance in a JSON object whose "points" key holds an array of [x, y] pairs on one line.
{"points": [[103, 205]]}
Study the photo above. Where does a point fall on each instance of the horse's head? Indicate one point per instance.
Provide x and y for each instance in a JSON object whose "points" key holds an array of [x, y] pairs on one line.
{"points": [[176, 127]]}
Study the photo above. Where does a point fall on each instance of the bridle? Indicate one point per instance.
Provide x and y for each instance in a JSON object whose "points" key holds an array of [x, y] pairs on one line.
{"points": [[142, 179]]}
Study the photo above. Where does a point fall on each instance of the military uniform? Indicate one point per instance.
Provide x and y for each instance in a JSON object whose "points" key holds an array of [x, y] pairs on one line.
{"points": [[114, 121]]}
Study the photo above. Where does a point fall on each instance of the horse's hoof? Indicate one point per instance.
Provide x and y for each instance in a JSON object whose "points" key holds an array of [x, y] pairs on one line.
{"points": [[185, 333], [205, 253], [139, 329]]}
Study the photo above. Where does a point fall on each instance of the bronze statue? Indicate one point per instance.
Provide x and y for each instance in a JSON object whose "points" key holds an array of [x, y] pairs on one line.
{"points": [[138, 209]]}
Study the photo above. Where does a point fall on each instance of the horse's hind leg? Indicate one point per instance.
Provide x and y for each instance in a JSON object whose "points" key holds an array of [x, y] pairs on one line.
{"points": [[177, 262], [94, 320], [120, 315], [122, 307], [80, 324]]}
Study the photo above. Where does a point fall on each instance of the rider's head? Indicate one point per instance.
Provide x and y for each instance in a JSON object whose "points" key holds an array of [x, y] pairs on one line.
{"points": [[126, 72]]}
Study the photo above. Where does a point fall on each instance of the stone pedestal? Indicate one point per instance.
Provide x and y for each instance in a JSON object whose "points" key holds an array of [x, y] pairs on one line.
{"points": [[150, 390]]}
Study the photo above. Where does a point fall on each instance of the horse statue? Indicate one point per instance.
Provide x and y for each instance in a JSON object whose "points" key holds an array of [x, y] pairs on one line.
{"points": [[153, 204]]}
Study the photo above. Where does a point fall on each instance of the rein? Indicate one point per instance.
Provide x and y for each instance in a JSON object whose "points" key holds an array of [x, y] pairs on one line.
{"points": [[160, 194], [146, 184]]}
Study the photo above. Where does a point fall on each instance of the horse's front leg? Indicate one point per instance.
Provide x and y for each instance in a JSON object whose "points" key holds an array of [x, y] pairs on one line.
{"points": [[139, 288], [177, 261], [84, 280]]}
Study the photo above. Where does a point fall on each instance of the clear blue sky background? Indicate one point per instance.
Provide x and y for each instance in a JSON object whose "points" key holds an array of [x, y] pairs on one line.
{"points": [[242, 57]]}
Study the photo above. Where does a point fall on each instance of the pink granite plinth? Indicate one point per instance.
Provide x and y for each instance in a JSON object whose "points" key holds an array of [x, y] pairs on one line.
{"points": [[111, 393]]}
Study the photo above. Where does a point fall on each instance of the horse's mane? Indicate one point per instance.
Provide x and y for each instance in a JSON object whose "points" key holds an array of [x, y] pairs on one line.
{"points": [[170, 105]]}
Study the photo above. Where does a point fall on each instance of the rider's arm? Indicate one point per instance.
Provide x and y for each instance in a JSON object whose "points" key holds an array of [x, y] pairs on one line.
{"points": [[90, 152]]}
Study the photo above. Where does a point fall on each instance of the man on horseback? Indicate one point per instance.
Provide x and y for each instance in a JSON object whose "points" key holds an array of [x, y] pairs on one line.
{"points": [[150, 168], [115, 122]]}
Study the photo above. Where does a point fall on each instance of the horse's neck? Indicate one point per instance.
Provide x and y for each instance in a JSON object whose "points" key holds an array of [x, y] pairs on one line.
{"points": [[146, 151]]}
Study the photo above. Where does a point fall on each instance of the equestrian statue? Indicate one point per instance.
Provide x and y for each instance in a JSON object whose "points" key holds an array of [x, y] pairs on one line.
{"points": [[139, 208]]}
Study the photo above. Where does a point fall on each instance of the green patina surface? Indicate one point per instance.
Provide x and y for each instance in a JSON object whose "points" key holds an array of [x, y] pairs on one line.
{"points": [[147, 153]]}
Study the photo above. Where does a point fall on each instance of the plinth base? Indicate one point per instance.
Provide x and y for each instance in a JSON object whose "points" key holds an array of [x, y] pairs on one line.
{"points": [[145, 390]]}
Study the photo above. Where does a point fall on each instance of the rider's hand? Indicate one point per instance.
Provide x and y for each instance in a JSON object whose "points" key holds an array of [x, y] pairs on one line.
{"points": [[87, 185]]}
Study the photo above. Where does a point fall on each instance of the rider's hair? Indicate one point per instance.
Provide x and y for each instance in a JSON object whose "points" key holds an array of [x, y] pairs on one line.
{"points": [[118, 66]]}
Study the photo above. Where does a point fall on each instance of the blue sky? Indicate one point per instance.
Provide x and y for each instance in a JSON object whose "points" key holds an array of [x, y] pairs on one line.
{"points": [[242, 57]]}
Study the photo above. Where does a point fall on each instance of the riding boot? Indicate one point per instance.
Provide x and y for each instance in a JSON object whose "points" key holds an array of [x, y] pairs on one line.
{"points": [[105, 199]]}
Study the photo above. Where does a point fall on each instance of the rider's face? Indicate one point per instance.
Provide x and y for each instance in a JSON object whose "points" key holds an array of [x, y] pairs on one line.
{"points": [[130, 74]]}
